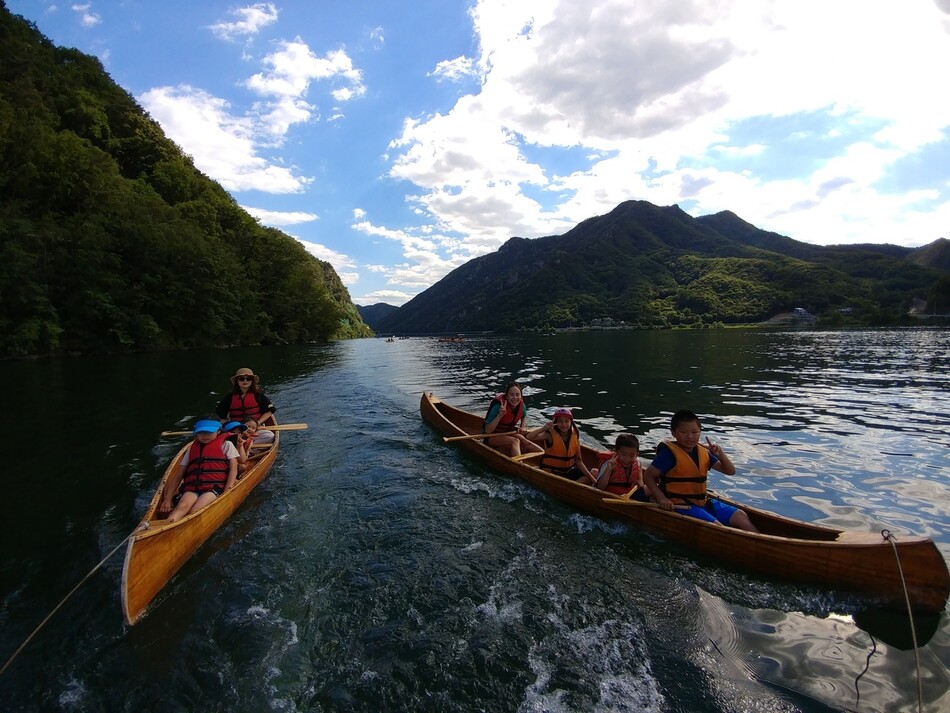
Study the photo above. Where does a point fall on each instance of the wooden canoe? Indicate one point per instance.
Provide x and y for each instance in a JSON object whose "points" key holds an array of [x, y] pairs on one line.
{"points": [[157, 549], [788, 549]]}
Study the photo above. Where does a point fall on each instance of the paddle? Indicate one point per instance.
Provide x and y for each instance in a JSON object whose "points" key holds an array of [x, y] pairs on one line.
{"points": [[281, 427], [526, 456], [474, 436]]}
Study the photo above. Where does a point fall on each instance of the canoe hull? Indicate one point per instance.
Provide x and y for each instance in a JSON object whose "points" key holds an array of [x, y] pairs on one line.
{"points": [[787, 549], [157, 549]]}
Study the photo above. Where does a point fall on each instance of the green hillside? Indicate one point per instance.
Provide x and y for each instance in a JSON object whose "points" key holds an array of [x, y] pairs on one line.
{"points": [[111, 240], [651, 266]]}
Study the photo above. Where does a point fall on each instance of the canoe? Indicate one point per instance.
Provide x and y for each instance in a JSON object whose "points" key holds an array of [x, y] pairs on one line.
{"points": [[157, 549], [792, 550]]}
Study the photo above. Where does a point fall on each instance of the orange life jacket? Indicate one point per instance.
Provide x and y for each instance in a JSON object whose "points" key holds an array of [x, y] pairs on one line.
{"points": [[560, 457], [685, 482]]}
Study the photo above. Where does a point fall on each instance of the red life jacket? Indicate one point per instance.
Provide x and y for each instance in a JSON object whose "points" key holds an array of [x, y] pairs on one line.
{"points": [[244, 406], [207, 467], [621, 481], [510, 421]]}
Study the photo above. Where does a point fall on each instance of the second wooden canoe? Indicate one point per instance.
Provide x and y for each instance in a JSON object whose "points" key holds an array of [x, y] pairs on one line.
{"points": [[788, 549]]}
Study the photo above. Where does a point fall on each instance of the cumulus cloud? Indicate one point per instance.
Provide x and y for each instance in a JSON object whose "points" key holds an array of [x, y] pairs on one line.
{"points": [[683, 102], [291, 69], [429, 255], [393, 297], [230, 147], [222, 144], [453, 70], [87, 18], [279, 219], [342, 264], [249, 21]]}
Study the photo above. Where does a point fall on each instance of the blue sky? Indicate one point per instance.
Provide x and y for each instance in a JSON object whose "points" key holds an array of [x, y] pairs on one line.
{"points": [[398, 140]]}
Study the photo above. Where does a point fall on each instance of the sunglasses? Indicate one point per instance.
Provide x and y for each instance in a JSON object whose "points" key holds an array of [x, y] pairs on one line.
{"points": [[245, 378]]}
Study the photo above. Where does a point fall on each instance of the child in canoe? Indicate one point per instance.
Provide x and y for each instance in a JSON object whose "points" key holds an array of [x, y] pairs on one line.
{"points": [[255, 433], [562, 447], [236, 432], [506, 415], [621, 472], [207, 470], [677, 476]]}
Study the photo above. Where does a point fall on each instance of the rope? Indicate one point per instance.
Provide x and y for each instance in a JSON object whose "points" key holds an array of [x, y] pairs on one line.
{"points": [[867, 665], [890, 537], [59, 606]]}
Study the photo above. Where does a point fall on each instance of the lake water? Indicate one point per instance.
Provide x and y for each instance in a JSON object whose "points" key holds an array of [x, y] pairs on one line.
{"points": [[379, 569]]}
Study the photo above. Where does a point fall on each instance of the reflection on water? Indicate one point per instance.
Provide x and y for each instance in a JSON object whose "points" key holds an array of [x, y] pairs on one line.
{"points": [[379, 569]]}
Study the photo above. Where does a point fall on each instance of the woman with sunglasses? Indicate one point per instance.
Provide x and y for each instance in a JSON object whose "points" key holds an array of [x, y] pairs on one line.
{"points": [[246, 400]]}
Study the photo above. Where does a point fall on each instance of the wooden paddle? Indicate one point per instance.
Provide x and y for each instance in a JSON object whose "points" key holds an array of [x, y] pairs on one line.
{"points": [[281, 427], [526, 456], [475, 436]]}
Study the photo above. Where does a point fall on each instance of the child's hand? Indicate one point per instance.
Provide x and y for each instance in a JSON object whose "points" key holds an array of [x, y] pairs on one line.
{"points": [[714, 448]]}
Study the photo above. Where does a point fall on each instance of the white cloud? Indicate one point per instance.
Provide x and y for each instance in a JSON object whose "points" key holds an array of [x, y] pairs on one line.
{"points": [[280, 218], [394, 297], [250, 21], [292, 68], [453, 70], [223, 145], [87, 18], [658, 94], [428, 259], [342, 264]]}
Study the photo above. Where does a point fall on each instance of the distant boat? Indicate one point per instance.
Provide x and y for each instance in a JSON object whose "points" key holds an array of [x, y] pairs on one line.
{"points": [[793, 550], [158, 549]]}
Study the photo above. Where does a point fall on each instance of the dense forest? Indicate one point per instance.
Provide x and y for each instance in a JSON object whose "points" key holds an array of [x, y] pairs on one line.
{"points": [[111, 240], [654, 267]]}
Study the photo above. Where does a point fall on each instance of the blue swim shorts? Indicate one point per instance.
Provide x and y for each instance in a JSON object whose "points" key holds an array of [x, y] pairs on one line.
{"points": [[713, 511]]}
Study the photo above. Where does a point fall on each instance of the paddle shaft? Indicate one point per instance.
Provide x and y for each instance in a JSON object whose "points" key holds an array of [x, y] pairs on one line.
{"points": [[475, 436], [281, 427], [526, 456]]}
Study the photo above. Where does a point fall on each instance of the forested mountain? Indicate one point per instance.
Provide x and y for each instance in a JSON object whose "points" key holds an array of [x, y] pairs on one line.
{"points": [[374, 314], [657, 266], [111, 240]]}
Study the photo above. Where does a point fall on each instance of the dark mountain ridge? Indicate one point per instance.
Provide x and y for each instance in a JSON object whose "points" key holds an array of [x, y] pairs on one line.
{"points": [[655, 266], [373, 314]]}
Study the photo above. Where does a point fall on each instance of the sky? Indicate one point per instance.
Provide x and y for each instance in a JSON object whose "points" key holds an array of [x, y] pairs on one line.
{"points": [[399, 140]]}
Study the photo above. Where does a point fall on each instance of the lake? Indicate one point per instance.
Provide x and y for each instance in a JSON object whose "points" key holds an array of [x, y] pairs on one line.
{"points": [[379, 569]]}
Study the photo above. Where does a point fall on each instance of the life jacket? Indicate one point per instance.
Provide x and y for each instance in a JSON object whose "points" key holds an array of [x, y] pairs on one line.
{"points": [[510, 421], [685, 482], [244, 407], [621, 480], [207, 466], [560, 457]]}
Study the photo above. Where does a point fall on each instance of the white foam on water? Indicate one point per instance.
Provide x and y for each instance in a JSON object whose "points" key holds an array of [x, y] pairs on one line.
{"points": [[74, 696], [587, 523], [607, 658]]}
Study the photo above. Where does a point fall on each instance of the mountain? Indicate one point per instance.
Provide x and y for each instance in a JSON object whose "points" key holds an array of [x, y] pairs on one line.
{"points": [[935, 255], [374, 314], [111, 240], [657, 266]]}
